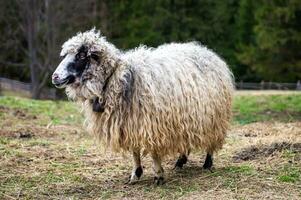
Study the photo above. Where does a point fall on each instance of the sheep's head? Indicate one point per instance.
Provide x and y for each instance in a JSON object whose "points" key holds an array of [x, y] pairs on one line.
{"points": [[83, 62], [71, 69]]}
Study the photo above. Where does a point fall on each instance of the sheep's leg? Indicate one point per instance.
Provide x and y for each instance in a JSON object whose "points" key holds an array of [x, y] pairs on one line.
{"points": [[158, 170], [137, 169], [208, 162], [182, 160]]}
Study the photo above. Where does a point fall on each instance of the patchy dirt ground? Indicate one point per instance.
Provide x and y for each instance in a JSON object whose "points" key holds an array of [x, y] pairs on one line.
{"points": [[40, 160]]}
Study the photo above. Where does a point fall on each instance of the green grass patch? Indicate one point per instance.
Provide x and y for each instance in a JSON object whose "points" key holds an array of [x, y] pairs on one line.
{"points": [[56, 112], [253, 108], [39, 142], [233, 171], [289, 154], [81, 151], [289, 174], [243, 169], [4, 141], [246, 109], [10, 151]]}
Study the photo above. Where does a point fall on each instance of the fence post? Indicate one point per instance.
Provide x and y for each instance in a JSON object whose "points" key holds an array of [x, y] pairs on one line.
{"points": [[241, 85], [270, 85], [298, 85], [262, 85], [0, 88]]}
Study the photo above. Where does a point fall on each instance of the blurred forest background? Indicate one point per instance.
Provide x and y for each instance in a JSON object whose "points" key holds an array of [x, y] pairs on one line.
{"points": [[260, 40]]}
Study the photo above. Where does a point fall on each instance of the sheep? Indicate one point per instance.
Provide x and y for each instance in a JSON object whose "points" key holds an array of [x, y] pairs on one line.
{"points": [[159, 101]]}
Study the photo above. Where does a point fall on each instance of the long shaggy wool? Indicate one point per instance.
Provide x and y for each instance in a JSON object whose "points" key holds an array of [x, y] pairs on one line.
{"points": [[164, 100]]}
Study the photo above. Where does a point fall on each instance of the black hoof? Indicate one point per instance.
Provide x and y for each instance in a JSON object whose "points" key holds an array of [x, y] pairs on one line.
{"points": [[180, 162], [159, 180], [139, 172], [208, 162]]}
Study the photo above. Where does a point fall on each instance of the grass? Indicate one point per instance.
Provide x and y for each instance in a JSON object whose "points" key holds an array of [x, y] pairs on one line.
{"points": [[56, 112], [248, 109], [243, 169], [45, 154], [289, 174]]}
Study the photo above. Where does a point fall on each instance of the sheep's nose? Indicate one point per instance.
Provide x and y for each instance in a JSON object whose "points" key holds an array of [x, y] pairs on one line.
{"points": [[55, 77]]}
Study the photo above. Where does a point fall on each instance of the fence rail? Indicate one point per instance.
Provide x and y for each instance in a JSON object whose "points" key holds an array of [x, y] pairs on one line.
{"points": [[267, 86], [50, 93], [24, 89]]}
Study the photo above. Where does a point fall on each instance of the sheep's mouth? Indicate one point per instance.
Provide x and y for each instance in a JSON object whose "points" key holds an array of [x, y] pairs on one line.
{"points": [[64, 82]]}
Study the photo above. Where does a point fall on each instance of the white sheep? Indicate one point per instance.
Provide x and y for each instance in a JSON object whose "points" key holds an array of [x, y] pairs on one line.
{"points": [[162, 101]]}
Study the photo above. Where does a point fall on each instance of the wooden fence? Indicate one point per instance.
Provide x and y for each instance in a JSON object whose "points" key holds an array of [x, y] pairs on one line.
{"points": [[24, 89], [267, 86]]}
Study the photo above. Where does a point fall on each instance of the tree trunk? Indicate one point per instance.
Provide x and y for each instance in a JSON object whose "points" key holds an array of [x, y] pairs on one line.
{"points": [[103, 14], [30, 7]]}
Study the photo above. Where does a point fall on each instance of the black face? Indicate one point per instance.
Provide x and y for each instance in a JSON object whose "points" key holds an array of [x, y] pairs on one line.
{"points": [[72, 67], [80, 63]]}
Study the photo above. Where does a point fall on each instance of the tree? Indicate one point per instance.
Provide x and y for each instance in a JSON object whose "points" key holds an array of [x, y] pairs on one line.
{"points": [[274, 54], [43, 26], [245, 22], [258, 39], [13, 55]]}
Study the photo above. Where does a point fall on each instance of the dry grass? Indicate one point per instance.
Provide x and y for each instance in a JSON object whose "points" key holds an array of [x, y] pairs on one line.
{"points": [[40, 160]]}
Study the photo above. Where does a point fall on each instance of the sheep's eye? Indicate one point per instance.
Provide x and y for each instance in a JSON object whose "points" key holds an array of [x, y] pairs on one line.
{"points": [[81, 55]]}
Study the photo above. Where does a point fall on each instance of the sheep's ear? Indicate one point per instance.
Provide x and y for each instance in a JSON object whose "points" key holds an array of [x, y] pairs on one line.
{"points": [[95, 55], [127, 82]]}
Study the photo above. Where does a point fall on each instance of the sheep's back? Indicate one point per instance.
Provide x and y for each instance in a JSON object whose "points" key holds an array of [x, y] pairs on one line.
{"points": [[182, 98]]}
